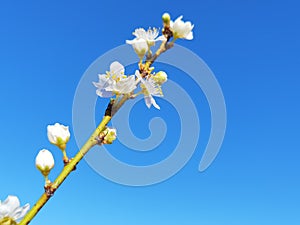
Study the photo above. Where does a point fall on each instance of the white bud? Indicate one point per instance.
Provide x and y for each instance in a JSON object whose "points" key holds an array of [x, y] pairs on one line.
{"points": [[160, 77], [58, 135], [44, 161]]}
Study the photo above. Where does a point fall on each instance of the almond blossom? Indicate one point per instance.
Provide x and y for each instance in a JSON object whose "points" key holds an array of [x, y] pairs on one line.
{"points": [[10, 210], [150, 36], [115, 82], [182, 29], [144, 40], [149, 88]]}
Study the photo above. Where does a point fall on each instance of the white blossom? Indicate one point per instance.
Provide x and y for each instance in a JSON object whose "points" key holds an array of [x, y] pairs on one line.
{"points": [[125, 85], [150, 36], [44, 161], [144, 40], [10, 208], [58, 134], [116, 69], [115, 82], [105, 86], [182, 29], [149, 88], [139, 45]]}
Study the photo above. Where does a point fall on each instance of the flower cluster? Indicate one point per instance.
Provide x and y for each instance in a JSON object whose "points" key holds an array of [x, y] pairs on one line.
{"points": [[115, 82], [145, 39]]}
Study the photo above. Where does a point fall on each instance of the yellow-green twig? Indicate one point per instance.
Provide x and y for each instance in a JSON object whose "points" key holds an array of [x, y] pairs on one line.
{"points": [[66, 171]]}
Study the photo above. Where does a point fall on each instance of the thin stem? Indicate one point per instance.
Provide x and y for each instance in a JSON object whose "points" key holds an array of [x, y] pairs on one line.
{"points": [[66, 171], [46, 180], [119, 104], [65, 157], [163, 47]]}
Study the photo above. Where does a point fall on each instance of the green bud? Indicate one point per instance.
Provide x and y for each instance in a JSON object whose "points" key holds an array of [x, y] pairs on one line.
{"points": [[166, 18], [108, 135], [160, 77]]}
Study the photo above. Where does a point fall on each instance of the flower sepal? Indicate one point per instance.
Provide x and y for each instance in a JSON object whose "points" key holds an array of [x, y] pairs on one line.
{"points": [[7, 221], [61, 144]]}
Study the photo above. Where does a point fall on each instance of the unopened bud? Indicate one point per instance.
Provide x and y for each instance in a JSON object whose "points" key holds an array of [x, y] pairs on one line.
{"points": [[58, 135], [166, 18], [44, 162], [160, 77], [108, 136]]}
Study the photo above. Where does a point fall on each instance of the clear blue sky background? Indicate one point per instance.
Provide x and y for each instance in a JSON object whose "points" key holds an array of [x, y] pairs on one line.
{"points": [[253, 48]]}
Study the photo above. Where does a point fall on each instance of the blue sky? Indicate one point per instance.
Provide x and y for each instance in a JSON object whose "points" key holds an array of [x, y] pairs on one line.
{"points": [[251, 46]]}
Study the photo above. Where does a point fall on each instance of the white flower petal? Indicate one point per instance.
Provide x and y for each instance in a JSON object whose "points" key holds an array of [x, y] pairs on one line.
{"points": [[178, 20], [20, 212], [104, 94], [189, 36], [152, 88], [126, 85], [140, 33], [12, 202], [154, 104], [9, 205], [105, 82], [140, 46], [103, 79], [110, 85], [117, 68], [138, 75], [149, 100], [10, 208]]}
